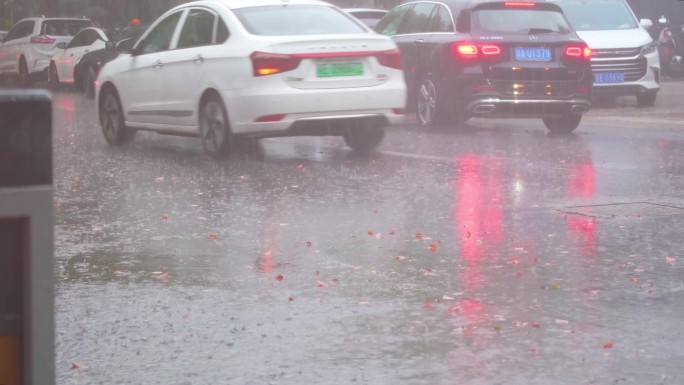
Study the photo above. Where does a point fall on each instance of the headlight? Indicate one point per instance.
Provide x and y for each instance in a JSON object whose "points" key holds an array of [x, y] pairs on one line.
{"points": [[648, 48]]}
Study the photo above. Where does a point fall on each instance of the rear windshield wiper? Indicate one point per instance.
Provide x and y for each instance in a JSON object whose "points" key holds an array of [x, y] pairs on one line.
{"points": [[534, 31]]}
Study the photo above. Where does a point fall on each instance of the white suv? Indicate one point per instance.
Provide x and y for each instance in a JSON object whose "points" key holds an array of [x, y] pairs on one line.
{"points": [[26, 50], [624, 56]]}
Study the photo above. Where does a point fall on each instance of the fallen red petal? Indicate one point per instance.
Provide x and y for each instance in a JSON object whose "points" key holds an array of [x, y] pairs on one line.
{"points": [[321, 284], [428, 304], [308, 243], [165, 217], [419, 235], [212, 236], [279, 277], [433, 247], [608, 345]]}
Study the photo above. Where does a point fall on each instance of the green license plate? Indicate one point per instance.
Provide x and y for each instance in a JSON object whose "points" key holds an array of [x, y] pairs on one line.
{"points": [[326, 70]]}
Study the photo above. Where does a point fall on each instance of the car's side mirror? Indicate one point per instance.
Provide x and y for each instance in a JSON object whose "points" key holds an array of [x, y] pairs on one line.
{"points": [[125, 46], [646, 23], [109, 46], [62, 45]]}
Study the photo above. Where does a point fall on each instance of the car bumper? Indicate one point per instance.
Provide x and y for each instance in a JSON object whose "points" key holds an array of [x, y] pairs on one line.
{"points": [[282, 110], [525, 108]]}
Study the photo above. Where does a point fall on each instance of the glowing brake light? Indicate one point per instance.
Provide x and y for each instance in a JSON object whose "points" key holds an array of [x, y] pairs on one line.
{"points": [[42, 40], [472, 51], [264, 63], [519, 4], [578, 52]]}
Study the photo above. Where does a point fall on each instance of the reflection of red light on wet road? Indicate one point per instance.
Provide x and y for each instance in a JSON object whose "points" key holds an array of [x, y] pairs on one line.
{"points": [[581, 181], [584, 231], [478, 214]]}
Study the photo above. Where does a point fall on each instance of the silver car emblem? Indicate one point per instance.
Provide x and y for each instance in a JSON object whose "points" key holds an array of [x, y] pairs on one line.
{"points": [[534, 37]]}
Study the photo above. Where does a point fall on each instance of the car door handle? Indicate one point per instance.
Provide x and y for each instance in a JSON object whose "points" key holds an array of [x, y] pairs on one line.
{"points": [[418, 41], [198, 59], [158, 64]]}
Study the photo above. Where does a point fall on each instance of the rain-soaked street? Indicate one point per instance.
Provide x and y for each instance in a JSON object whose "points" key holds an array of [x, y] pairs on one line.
{"points": [[494, 255]]}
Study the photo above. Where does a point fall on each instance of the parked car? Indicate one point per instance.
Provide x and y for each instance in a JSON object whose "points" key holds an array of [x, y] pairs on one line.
{"points": [[88, 67], [2, 36], [368, 16], [495, 59], [625, 58], [30, 44], [61, 70], [220, 69]]}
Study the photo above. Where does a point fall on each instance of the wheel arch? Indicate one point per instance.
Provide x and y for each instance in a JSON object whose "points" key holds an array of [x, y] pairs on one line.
{"points": [[208, 93]]}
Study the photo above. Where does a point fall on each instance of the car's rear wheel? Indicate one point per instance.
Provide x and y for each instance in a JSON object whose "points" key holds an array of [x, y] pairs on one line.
{"points": [[89, 85], [112, 119], [24, 76], [214, 127], [646, 99], [53, 78], [365, 137], [564, 124]]}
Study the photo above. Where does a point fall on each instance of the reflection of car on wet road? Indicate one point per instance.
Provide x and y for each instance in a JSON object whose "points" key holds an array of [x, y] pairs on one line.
{"points": [[62, 65], [368, 16], [625, 58], [254, 69], [26, 51], [492, 59]]}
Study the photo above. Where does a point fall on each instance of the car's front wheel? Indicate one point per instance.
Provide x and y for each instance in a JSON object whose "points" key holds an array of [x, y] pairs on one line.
{"points": [[112, 119], [364, 138], [646, 99], [53, 78], [214, 127], [428, 108], [564, 124], [24, 75]]}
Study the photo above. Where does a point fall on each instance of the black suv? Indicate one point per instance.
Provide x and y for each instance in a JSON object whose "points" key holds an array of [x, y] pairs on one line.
{"points": [[498, 59]]}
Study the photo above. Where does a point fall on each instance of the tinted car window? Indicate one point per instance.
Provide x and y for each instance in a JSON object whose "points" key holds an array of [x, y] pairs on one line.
{"points": [[417, 19], [598, 15], [389, 25], [22, 29], [441, 20], [221, 31], [518, 21], [296, 20], [197, 29], [78, 41], [159, 39], [64, 27]]}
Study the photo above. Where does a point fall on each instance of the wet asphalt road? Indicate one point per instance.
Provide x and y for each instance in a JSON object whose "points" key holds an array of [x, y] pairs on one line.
{"points": [[499, 255]]}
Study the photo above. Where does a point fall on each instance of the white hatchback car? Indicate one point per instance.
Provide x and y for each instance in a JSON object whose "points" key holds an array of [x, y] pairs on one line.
{"points": [[26, 50], [223, 68], [62, 65]]}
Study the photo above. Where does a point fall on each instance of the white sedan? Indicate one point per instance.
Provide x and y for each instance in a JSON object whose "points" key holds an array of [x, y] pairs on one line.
{"points": [[61, 70], [224, 68]]}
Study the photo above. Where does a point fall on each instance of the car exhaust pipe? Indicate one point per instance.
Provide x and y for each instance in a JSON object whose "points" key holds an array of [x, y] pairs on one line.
{"points": [[483, 108], [579, 109]]}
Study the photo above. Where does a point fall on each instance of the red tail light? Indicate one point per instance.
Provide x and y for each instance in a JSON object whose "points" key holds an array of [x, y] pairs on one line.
{"points": [[578, 52], [265, 63], [472, 51], [391, 58], [42, 40], [519, 4]]}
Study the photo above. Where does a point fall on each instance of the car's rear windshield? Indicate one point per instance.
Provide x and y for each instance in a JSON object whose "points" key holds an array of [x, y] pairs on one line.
{"points": [[64, 27], [598, 15], [518, 21], [282, 20]]}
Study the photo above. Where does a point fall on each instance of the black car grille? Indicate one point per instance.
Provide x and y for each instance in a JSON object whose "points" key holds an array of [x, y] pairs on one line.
{"points": [[633, 68]]}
